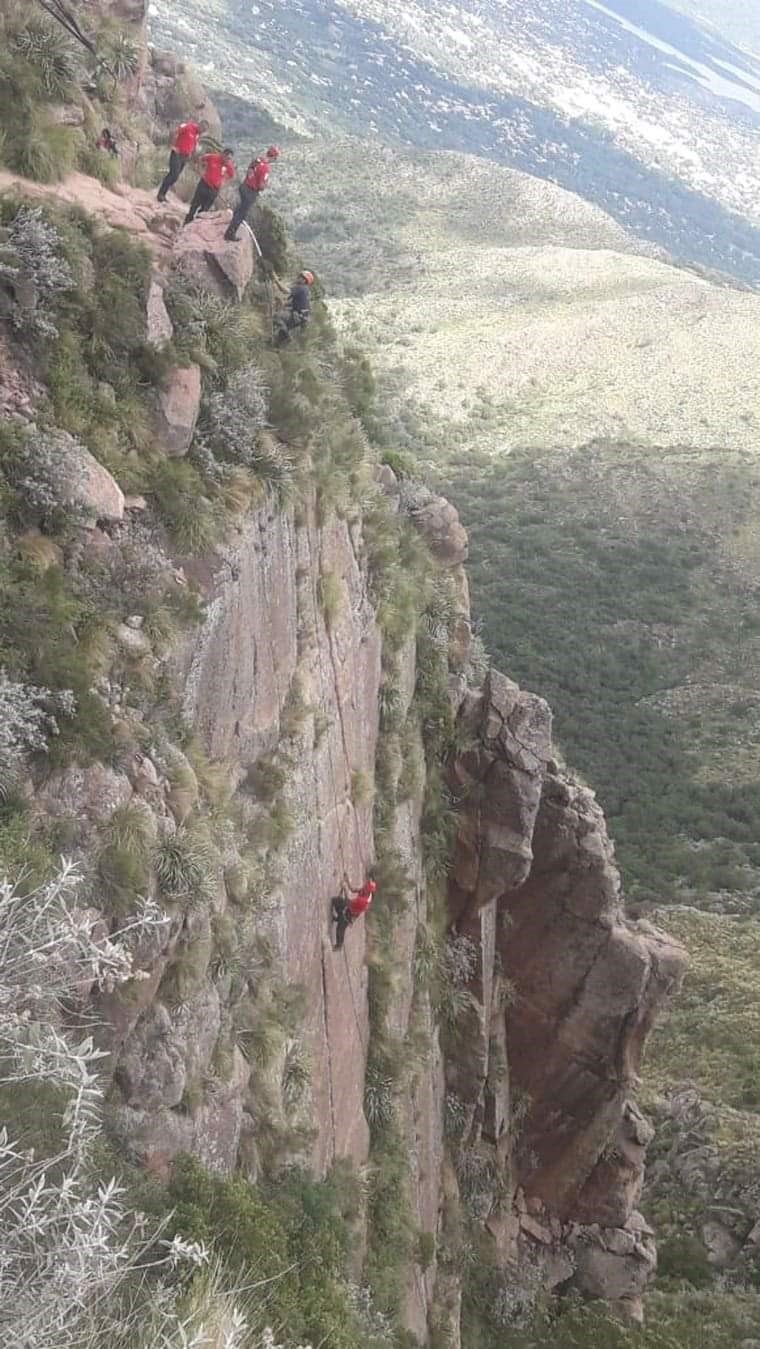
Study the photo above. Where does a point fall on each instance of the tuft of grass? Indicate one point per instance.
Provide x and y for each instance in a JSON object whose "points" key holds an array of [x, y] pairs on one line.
{"points": [[295, 1075], [362, 788], [267, 777], [187, 973], [332, 597], [379, 1098], [296, 710], [123, 859], [183, 864], [42, 151], [183, 786], [211, 775], [179, 493], [99, 165], [39, 551]]}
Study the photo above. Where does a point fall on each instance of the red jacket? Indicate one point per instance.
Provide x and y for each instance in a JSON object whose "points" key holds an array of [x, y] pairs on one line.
{"points": [[360, 902], [186, 138], [257, 176], [215, 169]]}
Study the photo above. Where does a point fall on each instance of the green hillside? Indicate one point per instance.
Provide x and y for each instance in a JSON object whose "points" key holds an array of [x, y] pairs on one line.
{"points": [[622, 582]]}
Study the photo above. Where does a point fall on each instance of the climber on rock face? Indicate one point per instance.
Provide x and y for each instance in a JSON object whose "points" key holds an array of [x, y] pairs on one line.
{"points": [[184, 145], [107, 142], [256, 179], [216, 170], [346, 911], [297, 311]]}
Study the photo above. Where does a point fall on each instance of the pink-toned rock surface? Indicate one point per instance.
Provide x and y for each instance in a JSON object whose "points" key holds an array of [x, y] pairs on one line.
{"points": [[206, 259], [88, 796], [123, 207], [179, 403], [588, 985], [237, 684], [19, 394], [159, 325]]}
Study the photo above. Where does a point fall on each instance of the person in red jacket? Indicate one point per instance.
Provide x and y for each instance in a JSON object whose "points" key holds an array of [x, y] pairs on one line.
{"points": [[184, 146], [252, 186], [346, 911], [215, 170]]}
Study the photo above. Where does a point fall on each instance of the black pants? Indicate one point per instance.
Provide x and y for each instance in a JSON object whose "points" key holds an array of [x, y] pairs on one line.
{"points": [[286, 324], [176, 165], [203, 199], [342, 918], [248, 197]]}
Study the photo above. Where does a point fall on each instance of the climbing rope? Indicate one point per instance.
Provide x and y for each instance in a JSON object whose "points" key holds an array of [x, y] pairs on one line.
{"points": [[267, 279]]}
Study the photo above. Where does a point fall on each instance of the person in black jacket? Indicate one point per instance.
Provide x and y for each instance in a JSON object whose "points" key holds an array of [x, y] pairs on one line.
{"points": [[297, 311]]}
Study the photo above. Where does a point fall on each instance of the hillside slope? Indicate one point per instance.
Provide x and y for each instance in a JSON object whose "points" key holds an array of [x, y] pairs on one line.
{"points": [[639, 112], [516, 312]]}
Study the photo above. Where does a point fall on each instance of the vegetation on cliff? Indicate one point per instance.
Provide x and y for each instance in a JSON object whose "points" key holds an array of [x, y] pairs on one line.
{"points": [[97, 596]]}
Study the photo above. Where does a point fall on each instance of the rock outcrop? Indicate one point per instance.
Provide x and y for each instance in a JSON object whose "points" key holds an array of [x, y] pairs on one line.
{"points": [[207, 260], [159, 325], [439, 521], [179, 403], [572, 987]]}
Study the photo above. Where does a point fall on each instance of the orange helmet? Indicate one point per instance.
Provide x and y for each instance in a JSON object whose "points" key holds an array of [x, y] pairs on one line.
{"points": [[273, 152], [308, 277]]}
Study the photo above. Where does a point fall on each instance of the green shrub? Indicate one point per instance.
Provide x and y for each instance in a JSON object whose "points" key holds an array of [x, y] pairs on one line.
{"points": [[39, 618], [26, 858], [682, 1256], [392, 1232], [100, 165], [189, 514], [273, 239], [42, 151], [292, 1238]]}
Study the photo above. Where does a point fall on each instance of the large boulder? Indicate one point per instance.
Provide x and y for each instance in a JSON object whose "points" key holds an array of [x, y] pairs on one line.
{"points": [[179, 403], [615, 1264], [439, 521], [60, 467], [88, 796], [168, 1049], [97, 492], [206, 259]]}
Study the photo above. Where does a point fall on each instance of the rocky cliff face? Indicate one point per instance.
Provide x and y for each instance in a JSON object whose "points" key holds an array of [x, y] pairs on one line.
{"points": [[249, 1040], [536, 889]]}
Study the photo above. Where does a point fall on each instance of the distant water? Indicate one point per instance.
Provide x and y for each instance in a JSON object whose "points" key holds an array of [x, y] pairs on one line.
{"points": [[735, 86]]}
